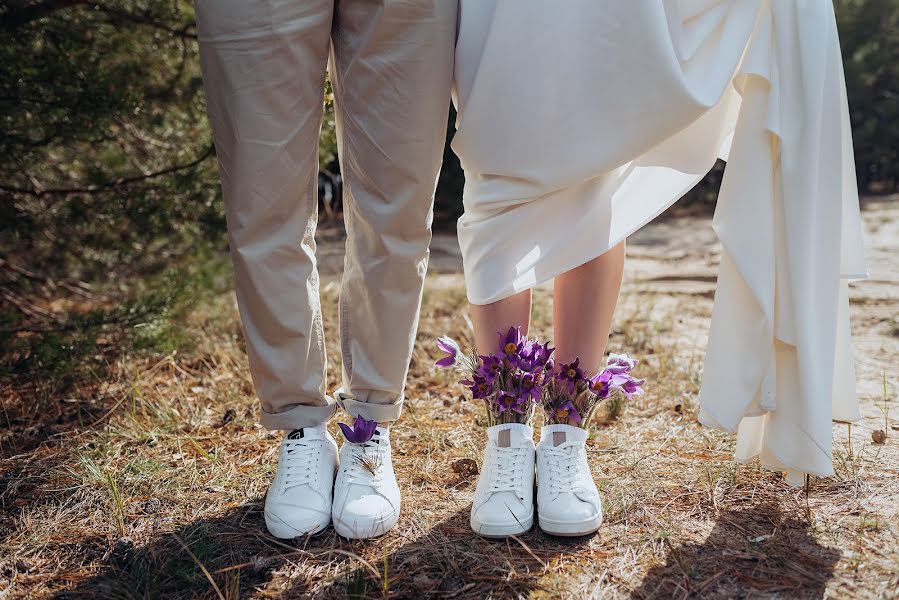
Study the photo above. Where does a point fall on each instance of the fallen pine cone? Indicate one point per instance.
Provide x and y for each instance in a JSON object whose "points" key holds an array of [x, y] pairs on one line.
{"points": [[228, 416], [465, 467]]}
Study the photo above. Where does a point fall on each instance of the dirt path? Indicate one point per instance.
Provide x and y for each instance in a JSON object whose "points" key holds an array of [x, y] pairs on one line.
{"points": [[675, 260], [678, 257], [159, 490]]}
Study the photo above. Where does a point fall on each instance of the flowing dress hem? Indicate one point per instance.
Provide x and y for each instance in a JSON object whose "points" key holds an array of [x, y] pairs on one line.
{"points": [[578, 261], [708, 419]]}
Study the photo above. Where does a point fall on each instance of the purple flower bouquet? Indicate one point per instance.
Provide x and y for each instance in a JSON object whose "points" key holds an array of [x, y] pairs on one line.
{"points": [[509, 381], [570, 396], [522, 375]]}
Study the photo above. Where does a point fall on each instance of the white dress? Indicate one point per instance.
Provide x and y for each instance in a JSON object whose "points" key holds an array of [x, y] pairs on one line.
{"points": [[580, 121]]}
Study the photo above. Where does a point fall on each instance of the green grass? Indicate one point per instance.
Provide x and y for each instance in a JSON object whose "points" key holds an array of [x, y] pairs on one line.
{"points": [[152, 493]]}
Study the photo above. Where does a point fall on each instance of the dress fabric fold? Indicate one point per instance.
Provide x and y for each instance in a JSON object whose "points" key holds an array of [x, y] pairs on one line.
{"points": [[578, 125]]}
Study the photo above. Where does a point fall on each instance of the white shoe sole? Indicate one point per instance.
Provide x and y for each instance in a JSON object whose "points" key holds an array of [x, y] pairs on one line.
{"points": [[285, 531], [358, 530], [569, 529], [501, 531]]}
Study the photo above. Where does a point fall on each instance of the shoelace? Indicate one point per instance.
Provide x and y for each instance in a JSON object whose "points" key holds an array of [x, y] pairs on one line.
{"points": [[355, 469], [299, 462], [562, 468], [509, 471]]}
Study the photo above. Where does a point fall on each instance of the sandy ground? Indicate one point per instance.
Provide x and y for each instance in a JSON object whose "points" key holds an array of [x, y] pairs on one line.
{"points": [[149, 481], [675, 261], [678, 257]]}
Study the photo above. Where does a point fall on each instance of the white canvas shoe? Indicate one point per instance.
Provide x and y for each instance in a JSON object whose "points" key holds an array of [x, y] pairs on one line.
{"points": [[568, 503], [299, 500], [504, 498], [366, 494]]}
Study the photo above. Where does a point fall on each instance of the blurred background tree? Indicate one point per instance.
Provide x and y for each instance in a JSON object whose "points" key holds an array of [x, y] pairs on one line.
{"points": [[869, 32], [107, 179], [111, 219]]}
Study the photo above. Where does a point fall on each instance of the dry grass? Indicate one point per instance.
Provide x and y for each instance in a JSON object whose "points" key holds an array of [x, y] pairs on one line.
{"points": [[148, 483]]}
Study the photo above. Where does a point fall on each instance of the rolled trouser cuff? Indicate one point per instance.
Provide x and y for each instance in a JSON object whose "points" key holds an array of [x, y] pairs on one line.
{"points": [[370, 411], [299, 416]]}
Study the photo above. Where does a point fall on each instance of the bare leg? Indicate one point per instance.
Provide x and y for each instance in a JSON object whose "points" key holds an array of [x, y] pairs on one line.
{"points": [[490, 319], [584, 300]]}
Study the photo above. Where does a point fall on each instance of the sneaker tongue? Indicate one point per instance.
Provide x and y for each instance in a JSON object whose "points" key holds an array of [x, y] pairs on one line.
{"points": [[508, 435], [556, 435], [307, 433], [504, 438]]}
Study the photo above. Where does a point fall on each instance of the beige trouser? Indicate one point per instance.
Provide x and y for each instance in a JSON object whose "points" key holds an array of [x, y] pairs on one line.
{"points": [[391, 65]]}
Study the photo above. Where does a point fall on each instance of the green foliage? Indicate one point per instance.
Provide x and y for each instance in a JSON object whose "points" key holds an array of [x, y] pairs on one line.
{"points": [[356, 584], [109, 189], [144, 315], [869, 32], [103, 123], [109, 195], [327, 144]]}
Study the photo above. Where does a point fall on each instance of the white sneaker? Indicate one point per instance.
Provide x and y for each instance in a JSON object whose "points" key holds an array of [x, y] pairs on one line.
{"points": [[366, 495], [299, 500], [504, 498], [568, 502]]}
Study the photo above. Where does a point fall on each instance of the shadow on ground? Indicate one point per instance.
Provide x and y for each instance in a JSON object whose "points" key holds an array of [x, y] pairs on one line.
{"points": [[750, 552], [446, 560], [169, 566]]}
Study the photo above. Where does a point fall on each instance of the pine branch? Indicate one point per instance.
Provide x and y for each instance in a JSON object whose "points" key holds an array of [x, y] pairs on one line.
{"points": [[22, 13], [39, 192]]}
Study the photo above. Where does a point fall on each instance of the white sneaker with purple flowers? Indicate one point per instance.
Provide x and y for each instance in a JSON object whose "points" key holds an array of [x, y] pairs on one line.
{"points": [[568, 503], [504, 498], [366, 494], [299, 500]]}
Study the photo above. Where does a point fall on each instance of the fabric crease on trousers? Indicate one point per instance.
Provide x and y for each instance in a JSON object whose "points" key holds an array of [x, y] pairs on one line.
{"points": [[390, 64]]}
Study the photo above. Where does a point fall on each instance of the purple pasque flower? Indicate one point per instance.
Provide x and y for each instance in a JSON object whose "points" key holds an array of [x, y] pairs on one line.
{"points": [[600, 384], [571, 374], [506, 401], [567, 412], [535, 356], [549, 366], [620, 379], [527, 357], [479, 386], [490, 368], [510, 345], [529, 387], [543, 354], [620, 363], [632, 387], [448, 345], [361, 431]]}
